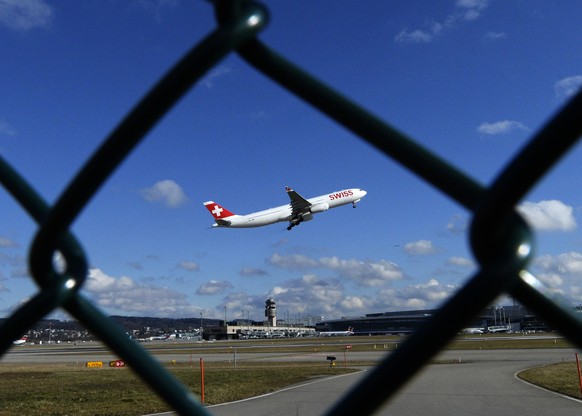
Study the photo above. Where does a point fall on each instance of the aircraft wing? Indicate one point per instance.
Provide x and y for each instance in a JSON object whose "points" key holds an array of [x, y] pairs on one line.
{"points": [[299, 205]]}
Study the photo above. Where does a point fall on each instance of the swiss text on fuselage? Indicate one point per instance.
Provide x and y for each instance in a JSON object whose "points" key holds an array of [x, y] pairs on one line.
{"points": [[339, 195]]}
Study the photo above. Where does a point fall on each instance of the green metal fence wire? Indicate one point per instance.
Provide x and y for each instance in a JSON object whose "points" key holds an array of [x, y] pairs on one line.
{"points": [[500, 239]]}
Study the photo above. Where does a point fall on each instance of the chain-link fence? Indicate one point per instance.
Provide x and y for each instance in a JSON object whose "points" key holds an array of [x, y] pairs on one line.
{"points": [[500, 239]]}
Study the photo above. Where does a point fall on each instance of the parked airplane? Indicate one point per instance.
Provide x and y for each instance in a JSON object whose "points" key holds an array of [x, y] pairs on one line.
{"points": [[297, 211], [499, 328], [349, 332], [159, 338], [21, 341], [473, 331]]}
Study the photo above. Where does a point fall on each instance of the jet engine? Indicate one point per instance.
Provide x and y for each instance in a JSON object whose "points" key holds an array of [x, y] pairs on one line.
{"points": [[318, 208]]}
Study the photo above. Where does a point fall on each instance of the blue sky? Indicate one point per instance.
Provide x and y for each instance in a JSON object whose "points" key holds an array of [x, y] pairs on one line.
{"points": [[471, 80]]}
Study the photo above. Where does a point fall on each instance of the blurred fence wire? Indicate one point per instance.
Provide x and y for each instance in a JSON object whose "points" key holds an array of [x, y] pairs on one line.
{"points": [[500, 239]]}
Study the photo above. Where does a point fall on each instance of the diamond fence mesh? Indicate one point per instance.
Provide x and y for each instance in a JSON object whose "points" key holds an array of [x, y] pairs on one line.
{"points": [[500, 239]]}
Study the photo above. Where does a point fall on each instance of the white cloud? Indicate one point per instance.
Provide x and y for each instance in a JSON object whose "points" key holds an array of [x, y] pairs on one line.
{"points": [[565, 263], [561, 274], [457, 224], [568, 86], [495, 35], [421, 247], [465, 11], [294, 261], [6, 242], [14, 307], [501, 127], [16, 262], [552, 280], [416, 36], [241, 304], [310, 295], [122, 295], [189, 265], [167, 191], [419, 296], [252, 271], [363, 273], [213, 287], [25, 14], [99, 282], [219, 72], [328, 297], [550, 215], [314, 295], [461, 261], [471, 9], [354, 303]]}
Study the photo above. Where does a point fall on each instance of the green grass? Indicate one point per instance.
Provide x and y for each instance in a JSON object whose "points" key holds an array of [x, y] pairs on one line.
{"points": [[74, 390], [488, 342], [559, 377]]}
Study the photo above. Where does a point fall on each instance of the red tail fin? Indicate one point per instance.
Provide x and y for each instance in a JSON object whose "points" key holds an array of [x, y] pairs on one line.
{"points": [[217, 211]]}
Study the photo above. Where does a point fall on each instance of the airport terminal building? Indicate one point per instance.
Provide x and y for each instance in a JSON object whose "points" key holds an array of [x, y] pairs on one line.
{"points": [[493, 319], [496, 318], [270, 328]]}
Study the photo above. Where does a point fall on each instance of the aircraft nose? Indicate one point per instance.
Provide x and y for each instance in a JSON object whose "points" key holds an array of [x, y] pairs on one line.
{"points": [[363, 193]]}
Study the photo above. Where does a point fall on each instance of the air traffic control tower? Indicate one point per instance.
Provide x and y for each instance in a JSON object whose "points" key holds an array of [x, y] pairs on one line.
{"points": [[271, 312]]}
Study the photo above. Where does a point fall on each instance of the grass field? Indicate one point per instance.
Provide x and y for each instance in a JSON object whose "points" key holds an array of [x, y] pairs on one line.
{"points": [[76, 390], [559, 377]]}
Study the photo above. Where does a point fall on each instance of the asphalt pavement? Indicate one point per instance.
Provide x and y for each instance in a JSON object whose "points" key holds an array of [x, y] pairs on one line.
{"points": [[483, 383]]}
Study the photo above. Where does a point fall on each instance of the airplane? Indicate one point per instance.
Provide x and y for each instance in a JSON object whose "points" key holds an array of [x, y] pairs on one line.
{"points": [[161, 337], [21, 341], [349, 332], [297, 211], [471, 331], [499, 328]]}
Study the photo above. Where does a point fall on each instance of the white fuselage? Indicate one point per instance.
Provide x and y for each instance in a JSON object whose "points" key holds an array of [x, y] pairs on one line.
{"points": [[284, 212], [336, 334]]}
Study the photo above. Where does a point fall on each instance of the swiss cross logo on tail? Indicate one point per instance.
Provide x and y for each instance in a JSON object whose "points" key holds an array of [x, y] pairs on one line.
{"points": [[217, 211]]}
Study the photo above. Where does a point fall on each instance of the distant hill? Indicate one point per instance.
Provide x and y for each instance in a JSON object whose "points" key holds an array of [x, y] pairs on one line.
{"points": [[131, 323], [163, 324]]}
